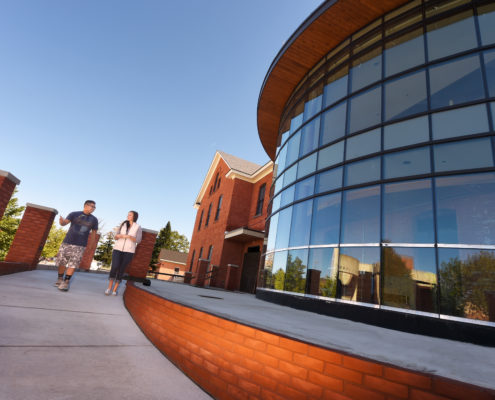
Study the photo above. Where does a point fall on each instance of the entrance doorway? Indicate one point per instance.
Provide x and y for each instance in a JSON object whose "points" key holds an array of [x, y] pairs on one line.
{"points": [[250, 269]]}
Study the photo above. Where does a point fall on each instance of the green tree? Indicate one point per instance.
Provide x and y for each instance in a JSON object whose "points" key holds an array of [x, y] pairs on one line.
{"points": [[53, 242], [162, 240], [9, 224], [178, 242], [104, 250]]}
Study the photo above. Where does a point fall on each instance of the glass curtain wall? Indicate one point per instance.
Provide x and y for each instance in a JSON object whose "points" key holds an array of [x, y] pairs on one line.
{"points": [[384, 191]]}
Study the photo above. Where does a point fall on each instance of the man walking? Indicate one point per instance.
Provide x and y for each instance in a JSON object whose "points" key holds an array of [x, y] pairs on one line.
{"points": [[71, 251]]}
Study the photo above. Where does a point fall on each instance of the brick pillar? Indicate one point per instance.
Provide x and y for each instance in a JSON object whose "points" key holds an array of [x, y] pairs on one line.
{"points": [[89, 253], [200, 275], [140, 263], [8, 183], [231, 277], [31, 235]]}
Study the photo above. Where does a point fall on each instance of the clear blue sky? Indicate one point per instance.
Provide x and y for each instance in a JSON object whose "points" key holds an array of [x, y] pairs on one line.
{"points": [[126, 102]]}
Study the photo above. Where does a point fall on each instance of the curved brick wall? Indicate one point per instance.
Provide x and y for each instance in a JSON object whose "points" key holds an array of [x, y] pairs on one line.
{"points": [[234, 361]]}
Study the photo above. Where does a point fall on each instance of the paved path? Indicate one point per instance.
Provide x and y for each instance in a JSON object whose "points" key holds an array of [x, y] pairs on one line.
{"points": [[79, 344]]}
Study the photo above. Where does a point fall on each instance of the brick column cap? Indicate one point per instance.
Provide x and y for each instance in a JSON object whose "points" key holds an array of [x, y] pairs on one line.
{"points": [[42, 207], [10, 177], [150, 231]]}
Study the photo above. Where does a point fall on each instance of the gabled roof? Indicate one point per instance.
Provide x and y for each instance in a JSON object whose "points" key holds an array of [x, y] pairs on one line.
{"points": [[173, 256], [238, 168]]}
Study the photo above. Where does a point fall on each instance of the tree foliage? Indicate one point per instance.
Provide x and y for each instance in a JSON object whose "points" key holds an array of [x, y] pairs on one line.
{"points": [[9, 224], [170, 240], [104, 250], [53, 242]]}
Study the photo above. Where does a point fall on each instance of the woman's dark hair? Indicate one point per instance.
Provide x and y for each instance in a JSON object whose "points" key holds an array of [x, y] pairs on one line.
{"points": [[135, 216]]}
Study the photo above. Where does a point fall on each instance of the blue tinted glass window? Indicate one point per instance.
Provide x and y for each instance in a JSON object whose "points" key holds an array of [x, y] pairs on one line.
{"points": [[293, 149], [285, 135], [456, 82], [280, 162], [277, 276], [440, 35], [359, 274], [362, 171], [407, 163], [290, 175], [408, 212], [276, 203], [322, 272], [404, 52], [287, 196], [361, 215], [270, 245], [329, 180], [304, 188], [296, 122], [489, 57], [279, 183], [467, 283], [466, 209], [312, 107], [331, 155], [309, 137], [365, 143], [335, 90], [283, 228], [326, 219], [301, 223], [366, 70], [486, 19], [295, 273], [333, 123], [405, 133], [466, 154], [405, 96], [409, 278], [365, 110], [306, 166], [460, 122]]}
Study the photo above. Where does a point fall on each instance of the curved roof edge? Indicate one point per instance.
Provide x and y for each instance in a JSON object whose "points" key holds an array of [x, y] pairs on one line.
{"points": [[331, 23]]}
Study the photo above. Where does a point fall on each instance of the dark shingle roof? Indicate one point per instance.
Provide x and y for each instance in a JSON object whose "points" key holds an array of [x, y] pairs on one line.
{"points": [[172, 255]]}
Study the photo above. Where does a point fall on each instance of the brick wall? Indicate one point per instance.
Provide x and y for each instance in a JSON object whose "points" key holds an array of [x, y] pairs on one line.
{"points": [[234, 361], [8, 183], [12, 267], [31, 235], [89, 253], [140, 263]]}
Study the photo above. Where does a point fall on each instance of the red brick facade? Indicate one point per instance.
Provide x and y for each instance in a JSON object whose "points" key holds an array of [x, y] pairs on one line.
{"points": [[230, 360], [31, 235], [140, 263], [8, 183], [239, 193]]}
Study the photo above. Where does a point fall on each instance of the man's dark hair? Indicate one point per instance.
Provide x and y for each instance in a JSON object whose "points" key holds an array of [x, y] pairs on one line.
{"points": [[89, 202]]}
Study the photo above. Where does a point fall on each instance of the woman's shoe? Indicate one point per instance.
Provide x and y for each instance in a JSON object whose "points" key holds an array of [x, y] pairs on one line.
{"points": [[107, 292], [114, 293]]}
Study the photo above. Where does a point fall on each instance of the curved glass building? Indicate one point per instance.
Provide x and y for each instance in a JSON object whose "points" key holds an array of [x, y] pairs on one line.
{"points": [[382, 135]]}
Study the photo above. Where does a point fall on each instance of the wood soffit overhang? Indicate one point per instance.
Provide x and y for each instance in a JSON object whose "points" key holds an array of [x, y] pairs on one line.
{"points": [[324, 29]]}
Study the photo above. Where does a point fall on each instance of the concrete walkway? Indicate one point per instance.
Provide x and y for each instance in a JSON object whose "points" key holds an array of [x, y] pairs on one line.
{"points": [[79, 344]]}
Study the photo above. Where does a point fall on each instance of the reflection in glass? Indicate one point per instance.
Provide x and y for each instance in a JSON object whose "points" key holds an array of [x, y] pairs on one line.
{"points": [[280, 162], [272, 233], [276, 203], [293, 149], [405, 96], [365, 143], [486, 20], [326, 219], [335, 90], [409, 278], [366, 69], [466, 209], [309, 137], [440, 35], [329, 180], [275, 276], [287, 196], [296, 122], [295, 276], [407, 163], [489, 57], [404, 133], [301, 223], [361, 215], [322, 272], [467, 283], [279, 183], [290, 175], [306, 166], [460, 122], [456, 82], [466, 154], [362, 171], [333, 123], [365, 110], [404, 52], [312, 107], [331, 155], [408, 212], [283, 228], [359, 274], [304, 188]]}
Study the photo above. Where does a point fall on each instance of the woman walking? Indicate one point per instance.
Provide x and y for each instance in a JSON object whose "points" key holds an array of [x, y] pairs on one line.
{"points": [[128, 236]]}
